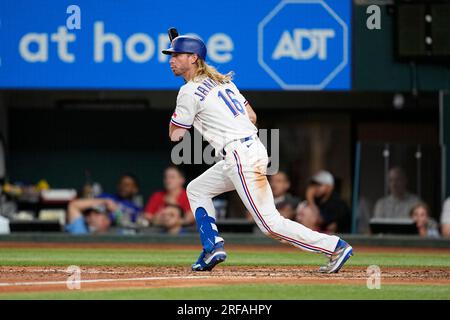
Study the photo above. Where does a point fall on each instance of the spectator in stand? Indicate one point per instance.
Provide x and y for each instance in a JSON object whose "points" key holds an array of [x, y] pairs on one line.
{"points": [[128, 210], [171, 219], [97, 215], [323, 209], [174, 193], [445, 219], [426, 226], [399, 202], [285, 202], [90, 215]]}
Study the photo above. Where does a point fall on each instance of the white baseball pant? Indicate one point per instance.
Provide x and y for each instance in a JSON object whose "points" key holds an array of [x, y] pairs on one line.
{"points": [[244, 170]]}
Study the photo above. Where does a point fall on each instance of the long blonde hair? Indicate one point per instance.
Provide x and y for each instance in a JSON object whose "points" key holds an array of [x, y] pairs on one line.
{"points": [[204, 69]]}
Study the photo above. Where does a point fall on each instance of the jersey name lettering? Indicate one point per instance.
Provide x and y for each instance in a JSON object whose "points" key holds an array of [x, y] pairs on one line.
{"points": [[202, 91]]}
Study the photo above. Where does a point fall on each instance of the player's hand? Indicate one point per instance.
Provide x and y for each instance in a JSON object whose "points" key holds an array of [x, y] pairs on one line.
{"points": [[176, 133]]}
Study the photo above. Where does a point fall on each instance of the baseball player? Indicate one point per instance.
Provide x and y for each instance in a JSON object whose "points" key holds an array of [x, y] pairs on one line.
{"points": [[212, 103]]}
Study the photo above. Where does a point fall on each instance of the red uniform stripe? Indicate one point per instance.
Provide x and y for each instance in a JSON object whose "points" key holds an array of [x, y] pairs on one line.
{"points": [[246, 190]]}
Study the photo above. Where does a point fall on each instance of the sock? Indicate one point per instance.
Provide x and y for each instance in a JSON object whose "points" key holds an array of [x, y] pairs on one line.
{"points": [[206, 227]]}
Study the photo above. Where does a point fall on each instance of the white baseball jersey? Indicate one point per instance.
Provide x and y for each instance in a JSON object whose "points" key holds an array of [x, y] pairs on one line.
{"points": [[216, 110]]}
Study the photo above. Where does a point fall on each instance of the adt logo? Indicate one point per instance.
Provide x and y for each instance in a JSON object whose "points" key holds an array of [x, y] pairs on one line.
{"points": [[303, 44]]}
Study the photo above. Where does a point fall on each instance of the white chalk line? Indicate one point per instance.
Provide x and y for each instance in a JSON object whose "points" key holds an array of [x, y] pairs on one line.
{"points": [[44, 283], [64, 271]]}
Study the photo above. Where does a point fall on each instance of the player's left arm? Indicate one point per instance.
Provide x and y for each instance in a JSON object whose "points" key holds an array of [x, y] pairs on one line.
{"points": [[248, 108], [251, 113]]}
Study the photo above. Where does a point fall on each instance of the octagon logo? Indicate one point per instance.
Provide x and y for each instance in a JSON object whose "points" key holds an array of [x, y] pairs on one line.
{"points": [[303, 44]]}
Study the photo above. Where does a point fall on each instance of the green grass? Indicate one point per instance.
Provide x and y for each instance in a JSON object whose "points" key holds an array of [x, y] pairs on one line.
{"points": [[245, 292], [149, 257], [141, 257]]}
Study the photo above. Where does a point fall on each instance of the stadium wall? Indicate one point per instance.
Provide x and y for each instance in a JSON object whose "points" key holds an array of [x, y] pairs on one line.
{"points": [[375, 67]]}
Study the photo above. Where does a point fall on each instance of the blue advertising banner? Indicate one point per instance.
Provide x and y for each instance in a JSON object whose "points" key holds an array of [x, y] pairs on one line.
{"points": [[116, 44]]}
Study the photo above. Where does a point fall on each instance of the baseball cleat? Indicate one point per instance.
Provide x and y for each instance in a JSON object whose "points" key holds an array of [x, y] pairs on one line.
{"points": [[340, 255], [207, 261]]}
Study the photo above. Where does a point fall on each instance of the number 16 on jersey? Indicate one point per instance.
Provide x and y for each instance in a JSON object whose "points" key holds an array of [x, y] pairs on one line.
{"points": [[232, 103]]}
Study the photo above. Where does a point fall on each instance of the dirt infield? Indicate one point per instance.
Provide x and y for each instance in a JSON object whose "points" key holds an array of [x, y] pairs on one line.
{"points": [[37, 279]]}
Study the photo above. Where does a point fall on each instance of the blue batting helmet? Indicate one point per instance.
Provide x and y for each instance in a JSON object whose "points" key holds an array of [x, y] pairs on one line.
{"points": [[187, 44]]}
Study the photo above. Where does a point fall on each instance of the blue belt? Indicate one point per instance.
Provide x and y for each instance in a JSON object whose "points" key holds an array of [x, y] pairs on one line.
{"points": [[246, 139], [241, 140]]}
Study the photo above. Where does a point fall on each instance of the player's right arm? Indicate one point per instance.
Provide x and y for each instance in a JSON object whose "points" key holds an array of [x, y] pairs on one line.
{"points": [[183, 117], [176, 133]]}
